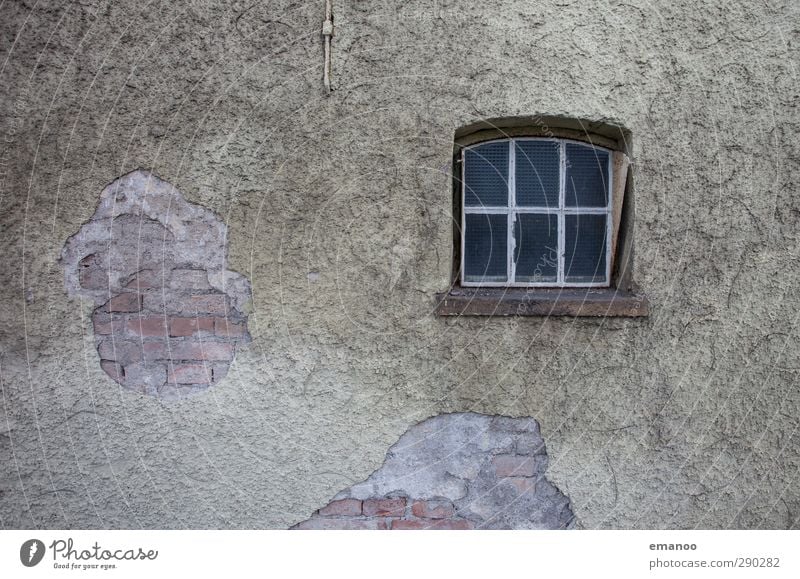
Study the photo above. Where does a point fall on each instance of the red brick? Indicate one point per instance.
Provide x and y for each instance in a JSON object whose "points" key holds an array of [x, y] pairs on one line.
{"points": [[384, 507], [514, 465], [330, 524], [127, 302], [433, 509], [342, 508], [147, 326], [113, 369], [92, 275], [180, 350], [435, 525], [190, 374], [188, 326], [103, 326], [225, 327]]}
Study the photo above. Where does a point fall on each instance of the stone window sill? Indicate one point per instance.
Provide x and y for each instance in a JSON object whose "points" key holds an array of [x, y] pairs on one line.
{"points": [[575, 302]]}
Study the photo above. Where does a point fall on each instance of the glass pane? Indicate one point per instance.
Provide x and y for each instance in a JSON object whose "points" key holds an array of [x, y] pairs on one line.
{"points": [[585, 248], [536, 253], [587, 177], [537, 173], [486, 175], [485, 247]]}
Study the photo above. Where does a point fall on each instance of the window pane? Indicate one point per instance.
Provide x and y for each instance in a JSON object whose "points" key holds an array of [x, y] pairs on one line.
{"points": [[537, 173], [587, 177], [585, 248], [485, 247], [536, 252], [486, 175]]}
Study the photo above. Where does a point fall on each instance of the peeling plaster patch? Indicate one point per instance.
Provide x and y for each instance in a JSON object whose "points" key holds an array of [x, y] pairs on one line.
{"points": [[169, 315], [455, 471]]}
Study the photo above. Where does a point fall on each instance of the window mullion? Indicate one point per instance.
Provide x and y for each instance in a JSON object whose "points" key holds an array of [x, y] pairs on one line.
{"points": [[463, 255], [609, 219], [512, 203], [562, 186]]}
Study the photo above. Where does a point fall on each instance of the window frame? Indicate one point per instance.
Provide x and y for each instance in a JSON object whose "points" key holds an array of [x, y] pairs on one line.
{"points": [[622, 298], [511, 210]]}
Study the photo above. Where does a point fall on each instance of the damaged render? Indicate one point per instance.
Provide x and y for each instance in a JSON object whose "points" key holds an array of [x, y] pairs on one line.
{"points": [[455, 471], [169, 315]]}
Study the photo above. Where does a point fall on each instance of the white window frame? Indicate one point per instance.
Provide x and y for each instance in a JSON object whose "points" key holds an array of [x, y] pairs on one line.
{"points": [[512, 210]]}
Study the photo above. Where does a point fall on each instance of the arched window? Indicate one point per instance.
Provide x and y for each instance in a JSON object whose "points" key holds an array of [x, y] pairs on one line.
{"points": [[544, 220]]}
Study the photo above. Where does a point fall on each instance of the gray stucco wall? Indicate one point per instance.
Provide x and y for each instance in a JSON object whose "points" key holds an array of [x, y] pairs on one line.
{"points": [[338, 208]]}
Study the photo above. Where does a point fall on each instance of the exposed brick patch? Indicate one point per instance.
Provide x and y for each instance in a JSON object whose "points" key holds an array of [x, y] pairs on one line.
{"points": [[190, 326], [433, 509], [188, 350], [229, 328], [118, 349], [385, 513], [113, 369], [101, 325], [129, 302], [219, 372], [145, 279], [190, 374], [384, 507], [522, 485], [169, 317], [205, 304], [147, 326], [344, 508], [191, 279], [432, 525], [514, 465], [343, 524], [453, 472], [92, 275]]}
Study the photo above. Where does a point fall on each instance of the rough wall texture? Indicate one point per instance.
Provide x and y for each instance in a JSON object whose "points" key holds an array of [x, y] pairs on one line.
{"points": [[338, 211], [455, 471], [169, 314]]}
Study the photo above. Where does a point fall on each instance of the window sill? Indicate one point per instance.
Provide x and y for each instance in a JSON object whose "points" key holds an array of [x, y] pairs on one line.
{"points": [[576, 302]]}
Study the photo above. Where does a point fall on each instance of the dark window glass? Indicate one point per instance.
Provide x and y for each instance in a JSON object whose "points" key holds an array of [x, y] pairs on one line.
{"points": [[536, 251], [585, 248], [486, 175], [485, 247], [537, 173], [586, 177]]}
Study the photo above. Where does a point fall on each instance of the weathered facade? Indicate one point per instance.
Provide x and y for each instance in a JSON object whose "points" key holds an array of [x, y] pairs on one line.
{"points": [[333, 213]]}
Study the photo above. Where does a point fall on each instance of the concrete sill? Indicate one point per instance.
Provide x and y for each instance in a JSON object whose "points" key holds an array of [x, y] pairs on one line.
{"points": [[593, 302]]}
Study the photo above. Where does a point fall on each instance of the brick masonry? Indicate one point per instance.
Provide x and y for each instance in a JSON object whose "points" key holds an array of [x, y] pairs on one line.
{"points": [[169, 316], [455, 472]]}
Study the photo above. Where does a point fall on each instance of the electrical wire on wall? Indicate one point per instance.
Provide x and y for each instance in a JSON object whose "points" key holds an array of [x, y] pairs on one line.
{"points": [[327, 34]]}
